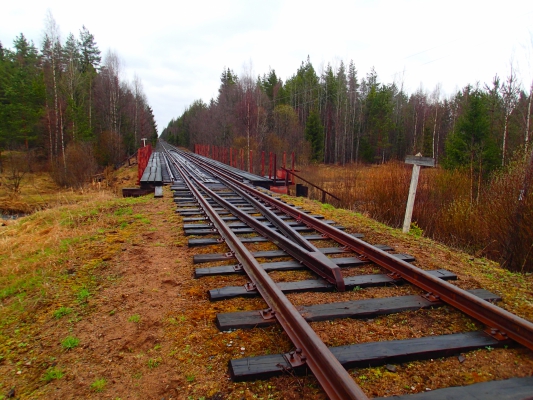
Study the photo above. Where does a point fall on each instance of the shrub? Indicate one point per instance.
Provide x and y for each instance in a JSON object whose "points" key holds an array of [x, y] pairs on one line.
{"points": [[78, 166]]}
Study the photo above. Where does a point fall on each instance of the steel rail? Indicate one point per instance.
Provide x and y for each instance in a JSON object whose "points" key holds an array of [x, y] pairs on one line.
{"points": [[498, 320], [293, 243], [331, 375]]}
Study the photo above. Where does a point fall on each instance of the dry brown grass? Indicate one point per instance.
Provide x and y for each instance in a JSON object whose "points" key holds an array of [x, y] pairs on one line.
{"points": [[445, 208], [38, 191]]}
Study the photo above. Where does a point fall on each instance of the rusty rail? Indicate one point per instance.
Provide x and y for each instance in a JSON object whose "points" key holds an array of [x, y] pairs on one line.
{"points": [[310, 350], [500, 322]]}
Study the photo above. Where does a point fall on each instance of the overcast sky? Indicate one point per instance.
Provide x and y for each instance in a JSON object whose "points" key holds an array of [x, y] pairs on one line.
{"points": [[179, 48]]}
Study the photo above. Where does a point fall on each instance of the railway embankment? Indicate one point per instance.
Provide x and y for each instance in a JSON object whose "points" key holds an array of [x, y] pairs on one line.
{"points": [[98, 299]]}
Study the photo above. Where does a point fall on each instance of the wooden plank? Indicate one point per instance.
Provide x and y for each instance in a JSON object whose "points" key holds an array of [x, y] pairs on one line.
{"points": [[221, 194], [242, 225], [242, 231], [419, 160], [371, 354], [214, 203], [220, 211], [509, 389], [250, 210], [255, 239], [368, 308], [201, 258], [259, 218], [320, 285], [288, 266]]}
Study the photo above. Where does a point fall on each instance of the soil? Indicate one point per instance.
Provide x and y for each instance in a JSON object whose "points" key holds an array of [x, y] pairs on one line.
{"points": [[148, 332]]}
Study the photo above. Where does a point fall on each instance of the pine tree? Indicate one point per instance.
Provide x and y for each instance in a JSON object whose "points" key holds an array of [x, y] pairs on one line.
{"points": [[314, 134], [470, 145], [22, 94], [90, 54]]}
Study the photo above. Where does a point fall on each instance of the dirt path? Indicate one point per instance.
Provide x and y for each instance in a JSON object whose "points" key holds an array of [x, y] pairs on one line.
{"points": [[123, 338]]}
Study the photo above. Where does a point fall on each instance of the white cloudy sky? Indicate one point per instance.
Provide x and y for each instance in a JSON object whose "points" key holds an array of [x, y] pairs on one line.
{"points": [[179, 48]]}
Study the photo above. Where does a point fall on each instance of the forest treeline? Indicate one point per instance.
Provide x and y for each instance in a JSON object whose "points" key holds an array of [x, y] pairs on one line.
{"points": [[64, 104], [338, 117], [479, 196]]}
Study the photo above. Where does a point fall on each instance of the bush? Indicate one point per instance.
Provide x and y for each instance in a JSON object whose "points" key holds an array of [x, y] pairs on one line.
{"points": [[77, 168]]}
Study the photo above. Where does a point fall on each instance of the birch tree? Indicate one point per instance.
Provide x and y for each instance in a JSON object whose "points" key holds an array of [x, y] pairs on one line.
{"points": [[52, 53], [509, 91]]}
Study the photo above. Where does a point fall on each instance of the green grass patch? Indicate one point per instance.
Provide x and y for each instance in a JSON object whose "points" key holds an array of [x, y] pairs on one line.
{"points": [[61, 312], [135, 318], [52, 374], [154, 362], [83, 295], [70, 342], [99, 385], [124, 211], [20, 285], [141, 218]]}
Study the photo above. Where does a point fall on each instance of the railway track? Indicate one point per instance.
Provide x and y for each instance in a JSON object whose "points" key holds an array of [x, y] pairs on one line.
{"points": [[221, 203]]}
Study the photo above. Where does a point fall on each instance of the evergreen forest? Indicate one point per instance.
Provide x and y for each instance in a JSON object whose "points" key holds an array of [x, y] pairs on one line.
{"points": [[67, 107], [337, 117], [478, 198]]}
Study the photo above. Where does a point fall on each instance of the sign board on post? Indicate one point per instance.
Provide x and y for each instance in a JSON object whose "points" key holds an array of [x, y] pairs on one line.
{"points": [[417, 162]]}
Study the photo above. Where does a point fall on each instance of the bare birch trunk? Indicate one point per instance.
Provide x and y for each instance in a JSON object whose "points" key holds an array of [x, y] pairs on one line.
{"points": [[56, 102], [435, 130], [504, 144], [62, 141], [414, 133], [528, 120]]}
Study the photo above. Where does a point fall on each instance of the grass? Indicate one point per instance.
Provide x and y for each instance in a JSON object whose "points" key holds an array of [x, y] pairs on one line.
{"points": [[52, 374], [154, 362], [61, 312], [51, 263], [99, 385], [136, 318], [70, 342], [83, 295]]}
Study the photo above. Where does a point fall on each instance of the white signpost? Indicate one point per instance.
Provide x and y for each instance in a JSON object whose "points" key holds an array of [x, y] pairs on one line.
{"points": [[417, 162]]}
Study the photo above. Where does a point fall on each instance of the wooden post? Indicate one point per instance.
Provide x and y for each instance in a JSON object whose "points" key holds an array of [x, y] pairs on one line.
{"points": [[275, 167], [417, 162], [263, 164], [270, 165], [292, 166], [250, 159]]}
